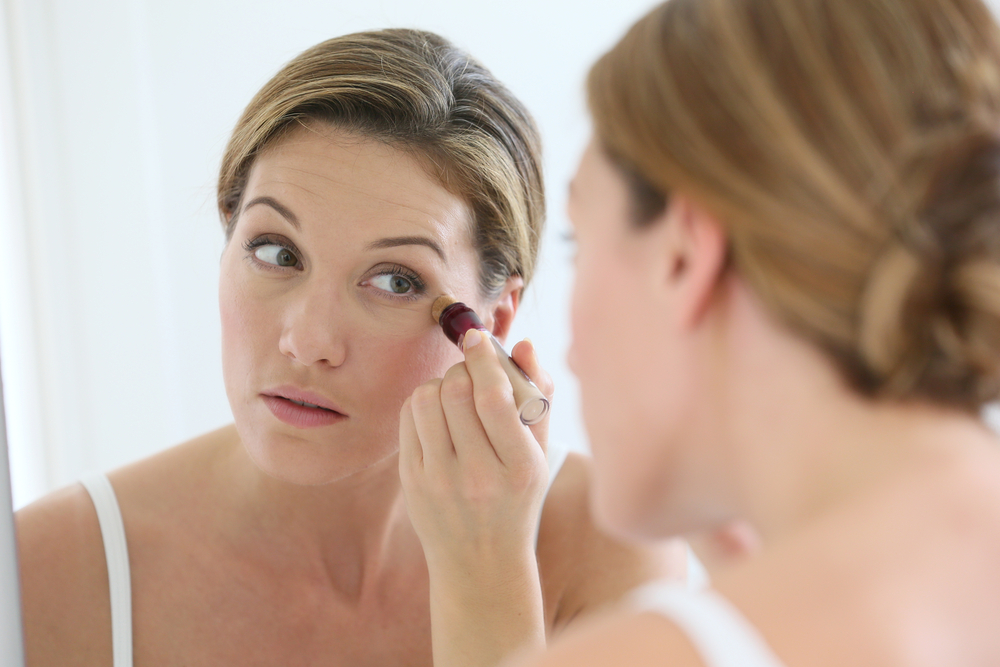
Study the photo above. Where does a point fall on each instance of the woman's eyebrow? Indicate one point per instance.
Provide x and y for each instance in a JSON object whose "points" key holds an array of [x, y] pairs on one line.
{"points": [[396, 241], [277, 206]]}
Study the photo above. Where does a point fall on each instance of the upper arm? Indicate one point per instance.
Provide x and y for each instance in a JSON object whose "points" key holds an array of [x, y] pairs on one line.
{"points": [[64, 581], [583, 568]]}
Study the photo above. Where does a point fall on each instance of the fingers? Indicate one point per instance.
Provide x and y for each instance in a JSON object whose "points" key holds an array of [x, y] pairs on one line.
{"points": [[472, 412], [458, 402], [494, 401], [430, 424], [442, 419]]}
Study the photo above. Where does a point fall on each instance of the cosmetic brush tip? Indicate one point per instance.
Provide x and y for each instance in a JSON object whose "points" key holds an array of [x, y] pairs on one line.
{"points": [[439, 305]]}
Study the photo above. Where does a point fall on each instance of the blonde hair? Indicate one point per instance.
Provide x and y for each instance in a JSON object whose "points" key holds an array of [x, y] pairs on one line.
{"points": [[851, 149], [415, 91]]}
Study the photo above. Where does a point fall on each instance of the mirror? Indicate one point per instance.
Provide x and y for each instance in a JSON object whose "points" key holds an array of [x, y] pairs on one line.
{"points": [[112, 123], [10, 608]]}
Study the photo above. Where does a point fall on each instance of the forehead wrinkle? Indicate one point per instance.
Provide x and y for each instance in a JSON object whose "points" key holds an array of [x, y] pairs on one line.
{"points": [[440, 199], [361, 149], [281, 199], [436, 209]]}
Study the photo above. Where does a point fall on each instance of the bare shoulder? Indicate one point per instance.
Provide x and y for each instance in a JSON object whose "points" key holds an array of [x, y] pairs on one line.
{"points": [[620, 638], [582, 567], [64, 576], [160, 481], [64, 581]]}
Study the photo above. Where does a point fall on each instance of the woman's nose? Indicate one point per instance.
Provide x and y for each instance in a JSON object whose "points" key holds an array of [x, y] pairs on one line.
{"points": [[314, 328]]}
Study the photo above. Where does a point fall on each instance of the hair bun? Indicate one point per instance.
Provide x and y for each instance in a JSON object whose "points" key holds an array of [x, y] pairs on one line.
{"points": [[930, 313]]}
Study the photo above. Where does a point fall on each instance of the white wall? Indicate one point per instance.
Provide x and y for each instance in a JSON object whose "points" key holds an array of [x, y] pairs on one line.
{"points": [[113, 117]]}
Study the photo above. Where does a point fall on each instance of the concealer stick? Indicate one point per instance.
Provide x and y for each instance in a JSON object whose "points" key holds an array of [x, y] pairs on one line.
{"points": [[455, 319]]}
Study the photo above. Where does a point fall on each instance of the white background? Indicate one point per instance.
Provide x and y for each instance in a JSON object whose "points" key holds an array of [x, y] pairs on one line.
{"points": [[113, 118]]}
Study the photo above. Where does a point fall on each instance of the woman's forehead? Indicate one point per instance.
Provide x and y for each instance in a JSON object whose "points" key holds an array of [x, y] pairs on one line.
{"points": [[335, 176]]}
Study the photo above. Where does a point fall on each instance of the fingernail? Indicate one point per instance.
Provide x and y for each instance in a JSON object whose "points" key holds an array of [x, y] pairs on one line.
{"points": [[472, 338]]}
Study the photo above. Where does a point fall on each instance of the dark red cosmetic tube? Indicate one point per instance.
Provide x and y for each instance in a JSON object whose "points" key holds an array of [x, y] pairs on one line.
{"points": [[456, 319]]}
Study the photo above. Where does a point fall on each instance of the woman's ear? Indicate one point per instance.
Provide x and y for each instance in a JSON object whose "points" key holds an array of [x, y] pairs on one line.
{"points": [[502, 311], [698, 248]]}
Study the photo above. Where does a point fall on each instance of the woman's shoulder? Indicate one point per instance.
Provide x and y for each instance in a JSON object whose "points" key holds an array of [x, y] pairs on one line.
{"points": [[64, 574], [582, 567], [64, 580], [174, 475]]}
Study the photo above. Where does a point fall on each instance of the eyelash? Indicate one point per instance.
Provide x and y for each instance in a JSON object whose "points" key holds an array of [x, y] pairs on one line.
{"points": [[250, 245], [419, 286]]}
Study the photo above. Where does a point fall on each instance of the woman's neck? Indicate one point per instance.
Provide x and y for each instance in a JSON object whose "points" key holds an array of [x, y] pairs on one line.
{"points": [[350, 532], [800, 442], [823, 457]]}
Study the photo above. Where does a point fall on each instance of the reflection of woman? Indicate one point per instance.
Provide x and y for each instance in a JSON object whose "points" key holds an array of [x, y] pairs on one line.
{"points": [[787, 309], [373, 173]]}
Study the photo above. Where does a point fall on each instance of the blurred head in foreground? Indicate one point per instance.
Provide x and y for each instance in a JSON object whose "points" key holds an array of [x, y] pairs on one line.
{"points": [[822, 176]]}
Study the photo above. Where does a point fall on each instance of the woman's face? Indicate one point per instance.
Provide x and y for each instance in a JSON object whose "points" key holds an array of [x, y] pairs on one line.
{"points": [[340, 246], [626, 349]]}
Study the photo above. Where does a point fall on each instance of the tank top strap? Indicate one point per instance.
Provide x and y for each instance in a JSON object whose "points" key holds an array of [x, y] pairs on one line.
{"points": [[119, 578], [719, 632]]}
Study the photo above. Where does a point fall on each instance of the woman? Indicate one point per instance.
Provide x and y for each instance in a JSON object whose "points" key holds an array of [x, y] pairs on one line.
{"points": [[788, 310], [373, 173]]}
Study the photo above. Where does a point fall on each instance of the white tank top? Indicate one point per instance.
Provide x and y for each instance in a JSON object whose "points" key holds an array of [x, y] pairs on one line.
{"points": [[116, 551], [722, 636]]}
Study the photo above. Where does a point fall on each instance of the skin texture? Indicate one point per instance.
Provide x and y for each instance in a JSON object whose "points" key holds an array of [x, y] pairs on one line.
{"points": [[880, 522], [263, 543]]}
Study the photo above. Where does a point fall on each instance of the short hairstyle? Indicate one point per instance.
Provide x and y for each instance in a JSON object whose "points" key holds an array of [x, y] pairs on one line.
{"points": [[415, 91]]}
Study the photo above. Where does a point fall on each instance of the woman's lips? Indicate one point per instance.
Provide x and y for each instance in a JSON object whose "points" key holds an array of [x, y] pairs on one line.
{"points": [[285, 405]]}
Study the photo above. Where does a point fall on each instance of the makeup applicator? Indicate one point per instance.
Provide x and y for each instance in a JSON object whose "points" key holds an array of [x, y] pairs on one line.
{"points": [[455, 319]]}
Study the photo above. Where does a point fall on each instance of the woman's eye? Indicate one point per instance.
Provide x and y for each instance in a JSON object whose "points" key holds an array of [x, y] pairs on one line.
{"points": [[393, 283], [276, 255]]}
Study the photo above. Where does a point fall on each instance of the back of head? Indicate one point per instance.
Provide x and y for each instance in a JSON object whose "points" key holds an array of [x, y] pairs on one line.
{"points": [[415, 91], [851, 148]]}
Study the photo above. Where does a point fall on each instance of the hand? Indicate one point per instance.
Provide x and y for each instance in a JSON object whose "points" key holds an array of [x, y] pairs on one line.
{"points": [[473, 475], [474, 479]]}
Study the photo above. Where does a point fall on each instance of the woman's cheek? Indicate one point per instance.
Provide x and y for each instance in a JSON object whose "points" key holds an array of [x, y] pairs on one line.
{"points": [[400, 365], [587, 307], [233, 323], [603, 331], [249, 328]]}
